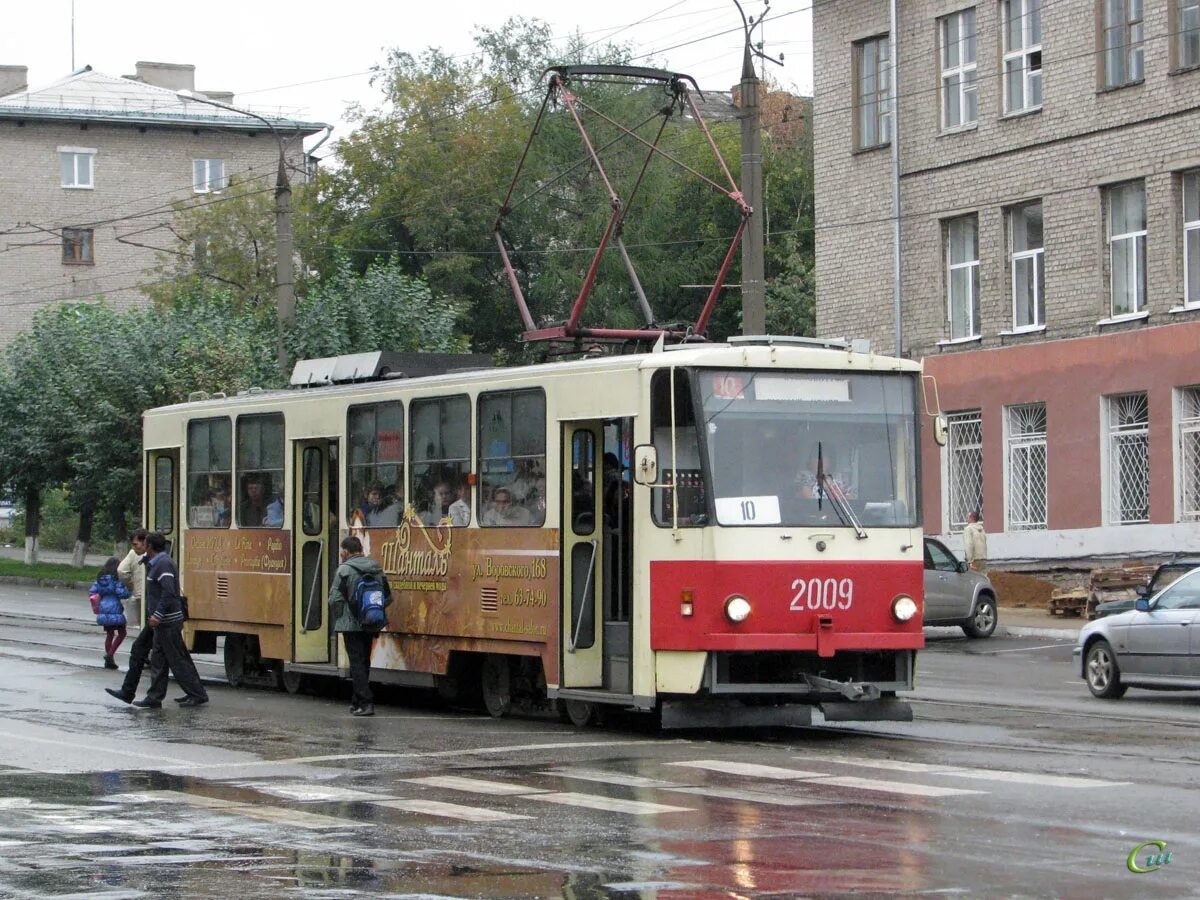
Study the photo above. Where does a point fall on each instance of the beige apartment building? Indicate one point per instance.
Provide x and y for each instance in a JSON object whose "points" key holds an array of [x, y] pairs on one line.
{"points": [[1049, 184], [92, 166]]}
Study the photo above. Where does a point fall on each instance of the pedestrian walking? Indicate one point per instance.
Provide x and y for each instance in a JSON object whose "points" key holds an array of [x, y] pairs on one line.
{"points": [[975, 543], [107, 593], [356, 576], [132, 571]]}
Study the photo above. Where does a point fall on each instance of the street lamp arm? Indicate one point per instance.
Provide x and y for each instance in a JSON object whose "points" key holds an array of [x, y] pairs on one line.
{"points": [[281, 177]]}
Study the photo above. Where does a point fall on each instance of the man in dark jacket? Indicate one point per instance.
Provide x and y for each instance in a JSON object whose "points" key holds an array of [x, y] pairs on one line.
{"points": [[164, 613], [132, 571], [358, 637]]}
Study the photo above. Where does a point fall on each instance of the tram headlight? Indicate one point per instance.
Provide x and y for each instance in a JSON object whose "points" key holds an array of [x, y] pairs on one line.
{"points": [[904, 608], [737, 608]]}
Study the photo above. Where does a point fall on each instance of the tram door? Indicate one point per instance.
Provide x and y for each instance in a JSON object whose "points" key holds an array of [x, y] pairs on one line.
{"points": [[582, 556], [312, 532], [162, 505]]}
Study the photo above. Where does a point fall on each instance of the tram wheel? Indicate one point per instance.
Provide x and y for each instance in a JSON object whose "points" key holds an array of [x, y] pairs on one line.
{"points": [[291, 682], [580, 713], [235, 660], [495, 680]]}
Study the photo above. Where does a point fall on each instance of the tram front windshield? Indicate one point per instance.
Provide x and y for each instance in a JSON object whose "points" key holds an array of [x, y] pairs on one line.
{"points": [[810, 448]]}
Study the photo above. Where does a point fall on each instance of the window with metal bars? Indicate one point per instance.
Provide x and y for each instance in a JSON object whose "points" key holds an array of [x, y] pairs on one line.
{"points": [[1026, 462], [964, 466], [1188, 443], [1128, 488]]}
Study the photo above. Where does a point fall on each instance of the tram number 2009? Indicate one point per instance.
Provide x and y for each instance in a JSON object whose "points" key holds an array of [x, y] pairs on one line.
{"points": [[822, 593]]}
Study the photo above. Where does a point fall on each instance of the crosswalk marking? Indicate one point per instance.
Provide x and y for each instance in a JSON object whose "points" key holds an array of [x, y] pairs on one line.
{"points": [[898, 765], [754, 796], [316, 793], [475, 785], [451, 810], [753, 770], [614, 778], [896, 787], [609, 804], [254, 811]]}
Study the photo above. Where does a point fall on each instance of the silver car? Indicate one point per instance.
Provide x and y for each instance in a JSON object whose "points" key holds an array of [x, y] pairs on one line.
{"points": [[957, 595], [1154, 645]]}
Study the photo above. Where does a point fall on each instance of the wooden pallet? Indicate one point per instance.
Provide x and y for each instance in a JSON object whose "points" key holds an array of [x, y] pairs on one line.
{"points": [[1069, 603]]}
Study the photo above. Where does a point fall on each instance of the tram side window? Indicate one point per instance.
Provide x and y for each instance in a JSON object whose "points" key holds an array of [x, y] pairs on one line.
{"points": [[260, 471], [678, 461], [376, 464], [512, 458], [440, 453], [209, 462]]}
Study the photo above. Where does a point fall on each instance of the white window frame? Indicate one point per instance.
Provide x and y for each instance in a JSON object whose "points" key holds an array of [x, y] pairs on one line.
{"points": [[206, 173], [958, 78], [971, 266], [1020, 60], [78, 154], [1187, 454], [1036, 260], [1187, 34], [1123, 56], [1191, 234], [1025, 449], [876, 103], [1114, 433], [1133, 239], [964, 438]]}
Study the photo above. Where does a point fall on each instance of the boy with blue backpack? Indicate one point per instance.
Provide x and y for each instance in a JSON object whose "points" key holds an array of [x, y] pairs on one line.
{"points": [[358, 598]]}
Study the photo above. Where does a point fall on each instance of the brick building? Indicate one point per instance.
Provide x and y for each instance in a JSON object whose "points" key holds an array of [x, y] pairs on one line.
{"points": [[1049, 180], [91, 166]]}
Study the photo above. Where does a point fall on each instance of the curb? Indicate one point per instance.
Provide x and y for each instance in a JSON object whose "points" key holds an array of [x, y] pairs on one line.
{"points": [[26, 581], [1035, 631]]}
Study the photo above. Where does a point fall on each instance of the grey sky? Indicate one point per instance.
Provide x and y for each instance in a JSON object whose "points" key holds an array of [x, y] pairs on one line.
{"points": [[310, 59]]}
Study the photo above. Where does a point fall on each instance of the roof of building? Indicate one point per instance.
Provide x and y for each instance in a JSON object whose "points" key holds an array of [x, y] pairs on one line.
{"points": [[95, 97]]}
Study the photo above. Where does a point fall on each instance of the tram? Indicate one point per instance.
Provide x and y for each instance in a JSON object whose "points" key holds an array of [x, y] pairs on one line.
{"points": [[725, 534]]}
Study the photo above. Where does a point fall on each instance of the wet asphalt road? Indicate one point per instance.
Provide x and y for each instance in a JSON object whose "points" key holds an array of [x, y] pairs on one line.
{"points": [[1012, 781]]}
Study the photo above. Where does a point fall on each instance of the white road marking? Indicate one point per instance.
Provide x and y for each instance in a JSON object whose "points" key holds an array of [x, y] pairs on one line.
{"points": [[896, 787], [754, 796], [310, 793], [752, 770], [451, 810], [300, 819], [616, 778], [898, 765], [1024, 649], [475, 785], [610, 804]]}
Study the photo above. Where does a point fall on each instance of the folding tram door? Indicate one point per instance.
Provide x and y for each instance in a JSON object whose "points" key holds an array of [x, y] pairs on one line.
{"points": [[314, 549]]}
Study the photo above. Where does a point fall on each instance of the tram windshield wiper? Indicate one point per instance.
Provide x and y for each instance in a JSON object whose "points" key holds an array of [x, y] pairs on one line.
{"points": [[828, 487]]}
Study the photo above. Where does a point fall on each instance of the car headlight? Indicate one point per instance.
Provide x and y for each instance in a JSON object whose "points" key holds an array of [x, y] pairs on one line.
{"points": [[904, 608], [737, 608]]}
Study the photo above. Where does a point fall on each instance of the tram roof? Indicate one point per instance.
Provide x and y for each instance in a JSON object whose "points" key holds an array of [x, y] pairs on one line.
{"points": [[716, 355]]}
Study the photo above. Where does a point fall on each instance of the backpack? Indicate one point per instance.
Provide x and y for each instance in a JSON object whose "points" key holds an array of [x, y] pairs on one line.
{"points": [[368, 600]]}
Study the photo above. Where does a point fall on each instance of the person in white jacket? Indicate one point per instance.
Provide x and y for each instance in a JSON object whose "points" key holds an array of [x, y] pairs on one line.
{"points": [[975, 543], [134, 575]]}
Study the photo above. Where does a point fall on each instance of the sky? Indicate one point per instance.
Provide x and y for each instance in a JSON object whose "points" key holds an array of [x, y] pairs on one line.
{"points": [[310, 60]]}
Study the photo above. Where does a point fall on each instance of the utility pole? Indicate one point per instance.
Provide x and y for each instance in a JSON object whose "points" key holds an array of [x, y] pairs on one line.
{"points": [[754, 288], [285, 283]]}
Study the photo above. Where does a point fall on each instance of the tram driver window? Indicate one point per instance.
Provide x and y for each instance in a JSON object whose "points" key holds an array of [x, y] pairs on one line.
{"points": [[439, 455], [678, 460], [209, 462], [512, 459], [376, 466], [260, 471]]}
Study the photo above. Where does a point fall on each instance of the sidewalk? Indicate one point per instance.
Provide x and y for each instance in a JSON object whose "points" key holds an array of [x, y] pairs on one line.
{"points": [[1027, 622]]}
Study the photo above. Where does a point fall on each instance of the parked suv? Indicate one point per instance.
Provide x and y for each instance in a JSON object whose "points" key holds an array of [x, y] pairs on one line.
{"points": [[1166, 574], [956, 594]]}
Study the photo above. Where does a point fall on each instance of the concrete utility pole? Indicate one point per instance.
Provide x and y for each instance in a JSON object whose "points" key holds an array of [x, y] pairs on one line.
{"points": [[285, 282]]}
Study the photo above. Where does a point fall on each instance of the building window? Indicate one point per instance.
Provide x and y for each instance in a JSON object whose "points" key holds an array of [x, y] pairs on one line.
{"points": [[1022, 28], [75, 163], [1128, 459], [1122, 27], [957, 37], [962, 260], [873, 80], [1188, 442], [78, 247], [1028, 266], [1026, 462], [1127, 247], [964, 466], [208, 176], [1188, 28], [1191, 238]]}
